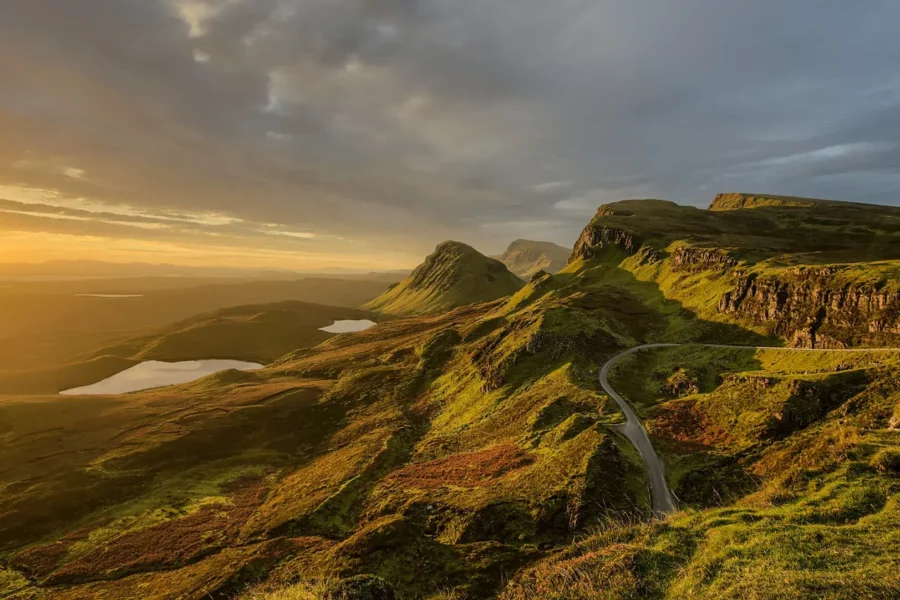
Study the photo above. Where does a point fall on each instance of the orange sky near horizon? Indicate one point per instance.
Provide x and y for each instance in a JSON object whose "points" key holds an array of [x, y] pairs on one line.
{"points": [[39, 247], [41, 224]]}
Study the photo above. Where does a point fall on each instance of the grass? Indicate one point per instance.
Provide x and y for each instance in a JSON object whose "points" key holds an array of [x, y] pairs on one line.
{"points": [[454, 275], [839, 544], [472, 454], [817, 520], [350, 442], [11, 582], [256, 333], [45, 324]]}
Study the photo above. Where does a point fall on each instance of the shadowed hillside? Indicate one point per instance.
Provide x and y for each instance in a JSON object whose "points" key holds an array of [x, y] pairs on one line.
{"points": [[454, 275], [815, 273], [43, 324], [256, 333], [476, 443]]}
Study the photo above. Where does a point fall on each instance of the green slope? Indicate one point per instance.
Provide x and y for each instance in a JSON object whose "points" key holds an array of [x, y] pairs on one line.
{"points": [[814, 273], [256, 333], [477, 445], [46, 323], [454, 275]]}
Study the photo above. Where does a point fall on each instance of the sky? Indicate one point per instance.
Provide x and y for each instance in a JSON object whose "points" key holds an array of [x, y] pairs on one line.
{"points": [[361, 133]]}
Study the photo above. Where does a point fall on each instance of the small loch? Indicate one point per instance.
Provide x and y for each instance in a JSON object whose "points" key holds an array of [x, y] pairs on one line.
{"points": [[348, 326], [154, 373], [109, 295]]}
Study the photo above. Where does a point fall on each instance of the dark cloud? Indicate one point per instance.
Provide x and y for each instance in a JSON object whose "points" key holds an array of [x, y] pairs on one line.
{"points": [[396, 123]]}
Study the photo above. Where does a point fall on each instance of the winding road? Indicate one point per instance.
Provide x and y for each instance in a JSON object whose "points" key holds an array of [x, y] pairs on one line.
{"points": [[662, 500]]}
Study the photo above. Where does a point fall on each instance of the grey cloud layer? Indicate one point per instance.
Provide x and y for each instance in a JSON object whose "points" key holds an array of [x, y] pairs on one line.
{"points": [[408, 121]]}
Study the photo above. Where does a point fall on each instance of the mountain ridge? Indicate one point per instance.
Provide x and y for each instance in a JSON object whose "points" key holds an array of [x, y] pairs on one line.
{"points": [[477, 443], [526, 257], [455, 274]]}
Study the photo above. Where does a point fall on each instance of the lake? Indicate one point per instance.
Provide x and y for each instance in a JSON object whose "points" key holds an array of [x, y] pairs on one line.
{"points": [[348, 326], [154, 373], [109, 295]]}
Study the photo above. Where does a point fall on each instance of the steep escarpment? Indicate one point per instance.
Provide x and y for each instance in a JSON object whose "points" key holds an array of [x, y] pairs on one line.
{"points": [[527, 257], [819, 307], [454, 275], [476, 443], [594, 240], [815, 273], [621, 226]]}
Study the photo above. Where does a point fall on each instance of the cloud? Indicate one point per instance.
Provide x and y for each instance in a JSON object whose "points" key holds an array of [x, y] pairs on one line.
{"points": [[391, 124]]}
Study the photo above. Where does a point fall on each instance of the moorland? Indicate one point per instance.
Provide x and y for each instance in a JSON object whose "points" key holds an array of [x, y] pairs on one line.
{"points": [[463, 448]]}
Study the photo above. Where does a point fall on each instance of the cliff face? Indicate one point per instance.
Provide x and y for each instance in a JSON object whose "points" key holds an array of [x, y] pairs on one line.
{"points": [[822, 306], [811, 309], [594, 239], [701, 259]]}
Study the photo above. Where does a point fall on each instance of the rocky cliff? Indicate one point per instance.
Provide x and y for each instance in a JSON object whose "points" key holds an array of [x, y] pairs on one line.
{"points": [[817, 307], [754, 251], [593, 240]]}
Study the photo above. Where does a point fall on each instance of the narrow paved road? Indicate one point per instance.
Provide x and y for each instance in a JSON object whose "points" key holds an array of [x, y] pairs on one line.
{"points": [[661, 497]]}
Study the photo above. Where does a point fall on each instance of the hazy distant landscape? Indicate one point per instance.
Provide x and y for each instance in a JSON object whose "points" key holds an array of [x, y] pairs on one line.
{"points": [[449, 300], [467, 431]]}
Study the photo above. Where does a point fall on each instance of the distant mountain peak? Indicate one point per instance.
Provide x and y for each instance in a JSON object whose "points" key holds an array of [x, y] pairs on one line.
{"points": [[453, 275], [527, 257]]}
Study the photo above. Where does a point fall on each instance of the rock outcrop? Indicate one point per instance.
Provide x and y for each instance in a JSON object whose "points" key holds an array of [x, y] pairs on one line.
{"points": [[811, 308], [701, 259], [595, 239], [838, 305]]}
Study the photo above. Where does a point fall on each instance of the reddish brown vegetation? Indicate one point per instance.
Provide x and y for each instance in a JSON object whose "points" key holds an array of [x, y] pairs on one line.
{"points": [[218, 576], [468, 470], [174, 543], [37, 561], [687, 424]]}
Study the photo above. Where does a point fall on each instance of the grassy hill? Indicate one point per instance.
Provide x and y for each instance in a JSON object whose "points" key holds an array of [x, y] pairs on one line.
{"points": [[786, 466], [527, 257], [477, 445], [815, 273], [43, 324], [454, 275], [255, 333]]}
